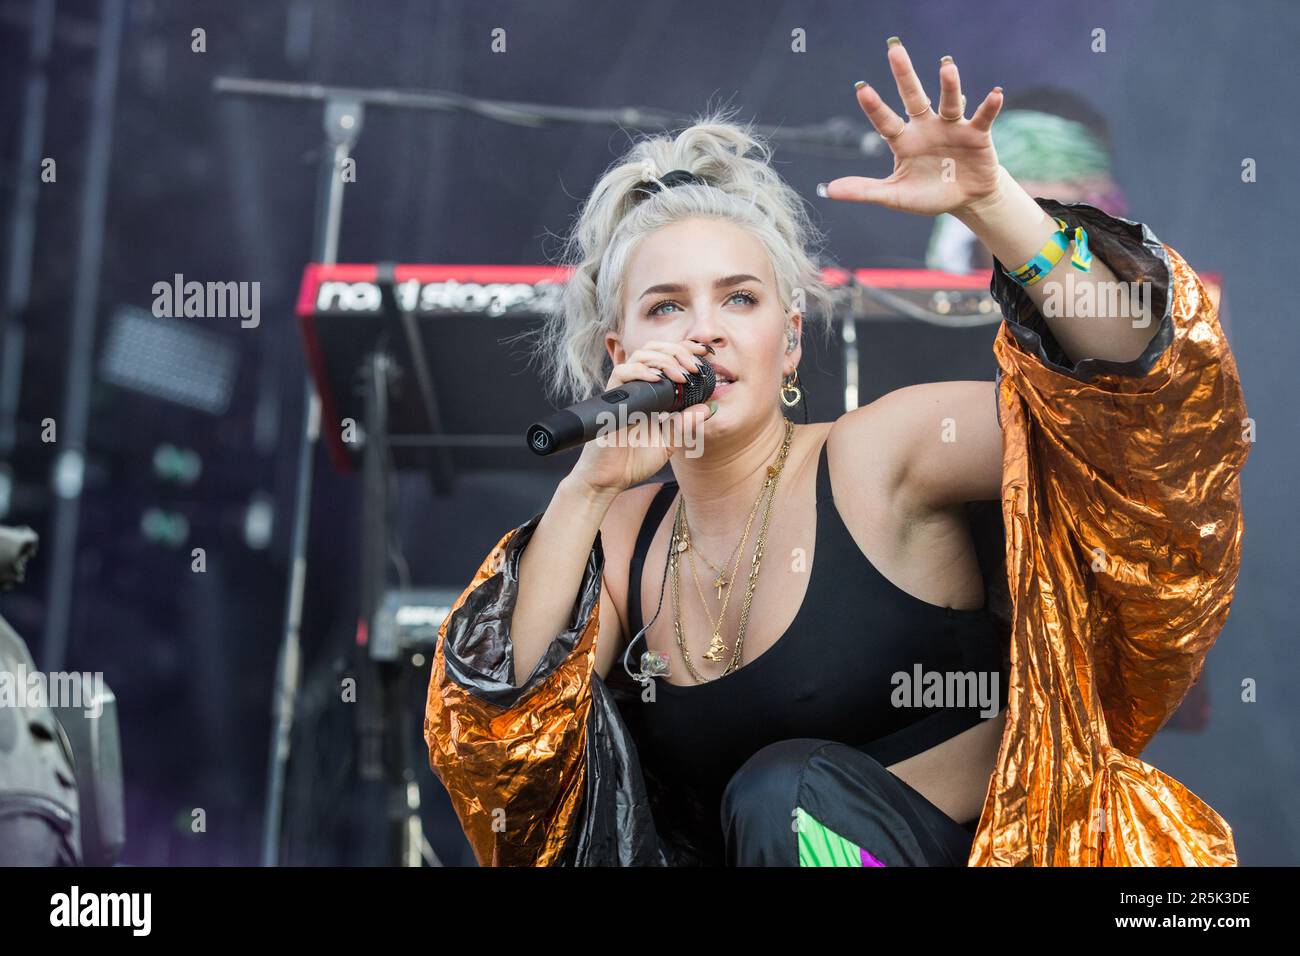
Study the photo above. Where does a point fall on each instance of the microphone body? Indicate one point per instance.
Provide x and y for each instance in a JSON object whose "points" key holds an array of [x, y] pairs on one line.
{"points": [[582, 421]]}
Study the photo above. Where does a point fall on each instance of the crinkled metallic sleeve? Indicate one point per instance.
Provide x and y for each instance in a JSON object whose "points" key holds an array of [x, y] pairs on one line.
{"points": [[512, 758], [1122, 506]]}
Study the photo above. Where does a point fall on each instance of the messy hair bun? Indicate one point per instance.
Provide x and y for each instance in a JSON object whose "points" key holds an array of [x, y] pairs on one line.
{"points": [[742, 188]]}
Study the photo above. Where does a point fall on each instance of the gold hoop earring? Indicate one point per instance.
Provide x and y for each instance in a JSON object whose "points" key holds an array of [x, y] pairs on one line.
{"points": [[791, 385]]}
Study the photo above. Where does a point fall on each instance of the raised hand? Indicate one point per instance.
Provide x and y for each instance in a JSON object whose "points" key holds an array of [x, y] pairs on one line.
{"points": [[943, 162]]}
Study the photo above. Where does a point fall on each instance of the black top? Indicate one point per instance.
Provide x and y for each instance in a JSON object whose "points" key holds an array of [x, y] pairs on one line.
{"points": [[853, 666]]}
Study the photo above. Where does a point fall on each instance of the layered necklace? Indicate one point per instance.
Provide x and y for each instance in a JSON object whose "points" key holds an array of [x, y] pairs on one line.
{"points": [[680, 543]]}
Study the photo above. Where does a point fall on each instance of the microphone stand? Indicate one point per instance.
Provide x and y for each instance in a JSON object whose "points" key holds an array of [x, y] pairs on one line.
{"points": [[342, 122]]}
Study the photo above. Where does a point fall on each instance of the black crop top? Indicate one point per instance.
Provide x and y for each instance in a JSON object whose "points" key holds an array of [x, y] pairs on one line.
{"points": [[830, 675]]}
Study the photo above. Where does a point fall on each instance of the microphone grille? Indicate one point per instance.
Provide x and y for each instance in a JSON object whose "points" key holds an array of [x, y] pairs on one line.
{"points": [[700, 386]]}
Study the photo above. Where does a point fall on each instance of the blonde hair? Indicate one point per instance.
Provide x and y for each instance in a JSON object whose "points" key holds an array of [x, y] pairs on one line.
{"points": [[742, 189]]}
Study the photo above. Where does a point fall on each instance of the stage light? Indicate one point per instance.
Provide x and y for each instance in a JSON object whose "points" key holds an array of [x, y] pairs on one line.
{"points": [[259, 521], [164, 527], [181, 465], [168, 359]]}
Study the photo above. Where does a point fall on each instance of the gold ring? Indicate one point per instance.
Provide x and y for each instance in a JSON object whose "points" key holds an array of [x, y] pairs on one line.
{"points": [[896, 135], [924, 111]]}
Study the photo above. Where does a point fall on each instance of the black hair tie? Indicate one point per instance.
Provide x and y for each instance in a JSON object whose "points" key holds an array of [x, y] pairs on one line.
{"points": [[677, 177]]}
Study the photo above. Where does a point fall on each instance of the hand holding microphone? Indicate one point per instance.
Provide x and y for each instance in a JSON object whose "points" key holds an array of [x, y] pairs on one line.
{"points": [[659, 377]]}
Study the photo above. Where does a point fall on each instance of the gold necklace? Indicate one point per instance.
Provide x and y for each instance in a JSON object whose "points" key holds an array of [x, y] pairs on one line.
{"points": [[716, 648], [773, 476], [719, 574], [677, 544]]}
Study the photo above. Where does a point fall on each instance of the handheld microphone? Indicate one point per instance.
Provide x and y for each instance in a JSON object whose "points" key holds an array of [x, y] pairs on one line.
{"points": [[580, 422]]}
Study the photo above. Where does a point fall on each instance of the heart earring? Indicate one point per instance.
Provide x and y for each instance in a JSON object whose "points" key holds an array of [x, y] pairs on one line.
{"points": [[791, 386]]}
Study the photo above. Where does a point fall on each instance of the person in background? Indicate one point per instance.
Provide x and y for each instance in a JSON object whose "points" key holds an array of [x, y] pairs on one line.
{"points": [[1054, 144]]}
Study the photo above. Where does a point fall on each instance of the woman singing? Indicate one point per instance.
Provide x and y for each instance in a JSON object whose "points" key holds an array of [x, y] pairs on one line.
{"points": [[785, 654]]}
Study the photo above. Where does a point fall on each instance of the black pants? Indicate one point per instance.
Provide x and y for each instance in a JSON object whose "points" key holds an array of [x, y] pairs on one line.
{"points": [[811, 802]]}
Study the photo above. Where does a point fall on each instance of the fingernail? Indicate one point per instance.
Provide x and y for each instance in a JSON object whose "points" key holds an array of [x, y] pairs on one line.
{"points": [[713, 407], [944, 59], [860, 84], [892, 41], [997, 89], [823, 191]]}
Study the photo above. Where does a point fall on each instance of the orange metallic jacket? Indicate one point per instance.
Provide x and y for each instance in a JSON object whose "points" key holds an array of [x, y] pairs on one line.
{"points": [[1121, 505]]}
